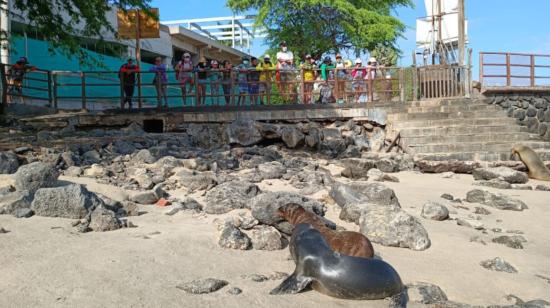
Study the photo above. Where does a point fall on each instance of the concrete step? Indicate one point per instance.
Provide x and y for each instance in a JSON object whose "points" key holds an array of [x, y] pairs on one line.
{"points": [[481, 156], [488, 137], [460, 147], [459, 130], [397, 117], [477, 121], [447, 109]]}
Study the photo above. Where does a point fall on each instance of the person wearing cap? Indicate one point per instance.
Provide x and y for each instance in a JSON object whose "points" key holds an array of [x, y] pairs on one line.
{"points": [[16, 75], [326, 68], [202, 79], [227, 81], [285, 62], [242, 79], [325, 89], [370, 76], [253, 81], [214, 76], [184, 74], [160, 82], [308, 74], [127, 76], [266, 69], [358, 85]]}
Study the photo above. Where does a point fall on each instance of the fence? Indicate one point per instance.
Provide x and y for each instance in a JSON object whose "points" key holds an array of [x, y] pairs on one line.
{"points": [[99, 90], [505, 69]]}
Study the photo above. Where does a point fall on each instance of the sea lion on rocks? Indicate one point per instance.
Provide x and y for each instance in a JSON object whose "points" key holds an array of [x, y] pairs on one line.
{"points": [[335, 274], [536, 168], [348, 243]]}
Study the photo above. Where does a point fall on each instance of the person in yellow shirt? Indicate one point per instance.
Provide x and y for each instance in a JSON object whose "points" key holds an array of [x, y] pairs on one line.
{"points": [[267, 71], [309, 70]]}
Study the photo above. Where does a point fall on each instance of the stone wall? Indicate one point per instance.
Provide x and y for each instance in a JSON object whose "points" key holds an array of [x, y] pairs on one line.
{"points": [[531, 110]]}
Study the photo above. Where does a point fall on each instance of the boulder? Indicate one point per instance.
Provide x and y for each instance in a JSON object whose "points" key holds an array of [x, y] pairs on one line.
{"points": [[344, 194], [34, 176], [23, 213], [229, 196], [103, 220], [233, 238], [8, 163], [95, 171], [143, 157], [266, 238], [271, 170], [425, 293], [499, 265], [512, 241], [14, 201], [269, 131], [470, 223], [202, 286], [194, 180], [456, 166], [498, 201], [243, 132], [435, 211], [71, 201], [73, 171], [494, 183], [393, 227], [387, 165], [292, 137], [379, 176], [357, 168], [145, 197], [507, 174]]}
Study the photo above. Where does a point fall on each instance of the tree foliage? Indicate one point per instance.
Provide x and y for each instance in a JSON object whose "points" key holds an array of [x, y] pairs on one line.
{"points": [[385, 55], [62, 23], [320, 26]]}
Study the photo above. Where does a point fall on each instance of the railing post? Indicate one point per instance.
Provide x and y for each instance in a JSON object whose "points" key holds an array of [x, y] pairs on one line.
{"points": [[54, 77], [195, 80], [302, 86], [140, 93], [508, 70], [401, 85], [469, 75], [50, 98], [481, 68], [532, 70], [83, 86]]}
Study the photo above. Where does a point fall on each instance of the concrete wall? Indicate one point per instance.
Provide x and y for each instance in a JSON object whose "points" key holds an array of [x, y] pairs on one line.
{"points": [[532, 110]]}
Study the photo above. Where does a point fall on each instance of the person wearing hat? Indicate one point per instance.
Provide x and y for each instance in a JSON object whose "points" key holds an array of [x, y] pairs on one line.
{"points": [[370, 76], [16, 75], [327, 74], [266, 69], [127, 76], [358, 86], [184, 74], [227, 81], [285, 63], [309, 70], [341, 73]]}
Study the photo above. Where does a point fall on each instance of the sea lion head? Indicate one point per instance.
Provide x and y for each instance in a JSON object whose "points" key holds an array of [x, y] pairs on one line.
{"points": [[517, 150]]}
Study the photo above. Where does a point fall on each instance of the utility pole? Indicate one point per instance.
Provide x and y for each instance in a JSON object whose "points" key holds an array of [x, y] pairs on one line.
{"points": [[461, 32], [440, 43], [5, 27]]}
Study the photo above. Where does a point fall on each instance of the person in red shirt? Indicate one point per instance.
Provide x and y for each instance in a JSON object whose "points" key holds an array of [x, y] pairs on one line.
{"points": [[127, 75], [16, 75]]}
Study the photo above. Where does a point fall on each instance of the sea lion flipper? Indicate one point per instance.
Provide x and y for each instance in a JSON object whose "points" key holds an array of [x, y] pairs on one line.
{"points": [[291, 285]]}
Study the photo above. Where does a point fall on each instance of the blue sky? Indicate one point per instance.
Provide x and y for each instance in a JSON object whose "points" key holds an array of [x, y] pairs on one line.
{"points": [[494, 25]]}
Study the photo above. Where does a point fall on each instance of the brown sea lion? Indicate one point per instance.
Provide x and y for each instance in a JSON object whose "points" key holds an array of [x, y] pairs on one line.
{"points": [[347, 243], [536, 168]]}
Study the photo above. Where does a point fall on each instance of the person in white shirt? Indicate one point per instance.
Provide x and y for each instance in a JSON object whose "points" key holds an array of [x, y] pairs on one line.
{"points": [[372, 66], [285, 64]]}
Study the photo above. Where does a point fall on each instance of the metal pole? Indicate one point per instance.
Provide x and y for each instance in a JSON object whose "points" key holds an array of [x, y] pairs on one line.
{"points": [[138, 56], [50, 98], [481, 68], [441, 49], [83, 82], [508, 71], [55, 91], [532, 70], [461, 32], [233, 31], [4, 88]]}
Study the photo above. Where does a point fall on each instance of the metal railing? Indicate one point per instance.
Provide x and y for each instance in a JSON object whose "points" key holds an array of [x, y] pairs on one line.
{"points": [[100, 90], [506, 69]]}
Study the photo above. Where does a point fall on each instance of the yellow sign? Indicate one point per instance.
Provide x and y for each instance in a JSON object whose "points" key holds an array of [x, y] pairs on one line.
{"points": [[149, 26]]}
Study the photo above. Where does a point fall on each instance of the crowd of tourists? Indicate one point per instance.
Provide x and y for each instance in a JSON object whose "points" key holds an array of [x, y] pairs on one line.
{"points": [[263, 81]]}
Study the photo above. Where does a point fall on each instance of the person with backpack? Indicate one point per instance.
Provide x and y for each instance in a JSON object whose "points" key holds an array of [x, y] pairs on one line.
{"points": [[184, 74], [127, 75]]}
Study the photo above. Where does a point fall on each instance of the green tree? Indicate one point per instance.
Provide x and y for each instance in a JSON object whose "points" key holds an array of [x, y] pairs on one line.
{"points": [[320, 26], [386, 55], [62, 23]]}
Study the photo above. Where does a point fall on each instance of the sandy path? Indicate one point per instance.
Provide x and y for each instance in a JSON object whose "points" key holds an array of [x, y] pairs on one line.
{"points": [[45, 263]]}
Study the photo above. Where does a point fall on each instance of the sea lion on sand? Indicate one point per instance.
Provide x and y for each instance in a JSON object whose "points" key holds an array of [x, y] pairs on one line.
{"points": [[536, 168], [348, 243], [335, 274]]}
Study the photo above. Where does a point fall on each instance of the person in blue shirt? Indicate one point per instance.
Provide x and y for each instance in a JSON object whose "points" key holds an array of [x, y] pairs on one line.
{"points": [[159, 81]]}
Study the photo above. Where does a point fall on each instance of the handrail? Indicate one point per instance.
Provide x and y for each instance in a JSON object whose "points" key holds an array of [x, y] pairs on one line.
{"points": [[511, 77]]}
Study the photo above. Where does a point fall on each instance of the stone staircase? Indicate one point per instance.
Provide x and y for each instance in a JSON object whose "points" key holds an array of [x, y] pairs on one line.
{"points": [[463, 129]]}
